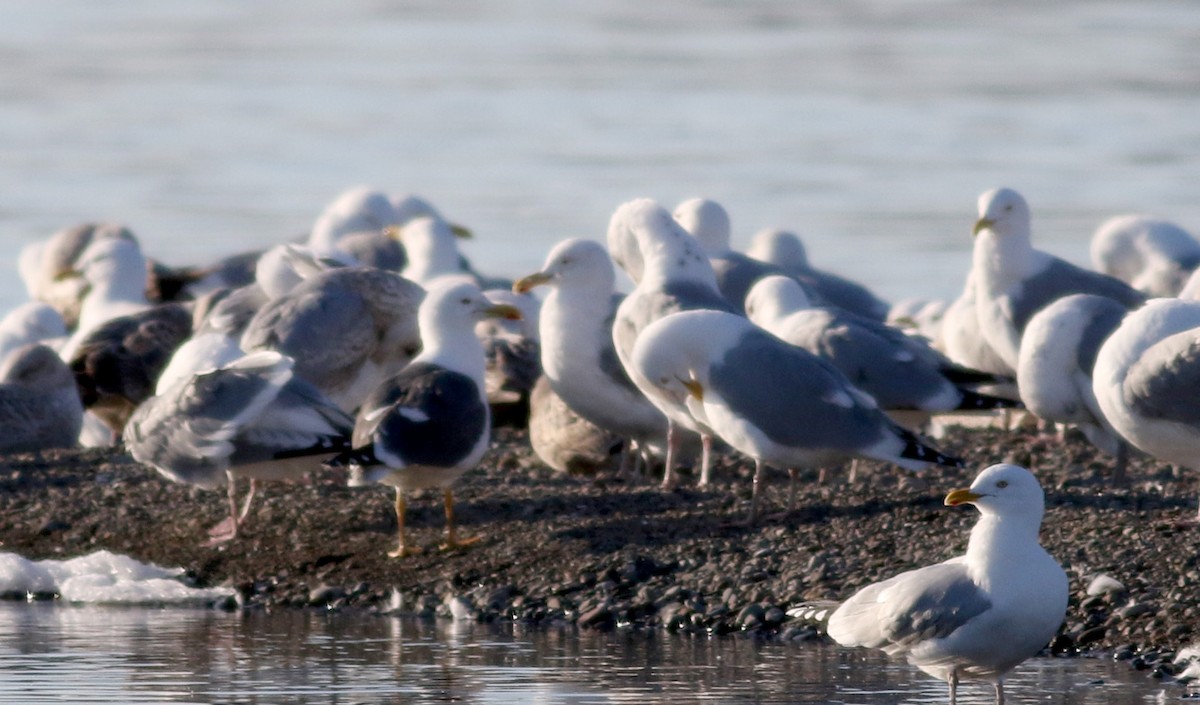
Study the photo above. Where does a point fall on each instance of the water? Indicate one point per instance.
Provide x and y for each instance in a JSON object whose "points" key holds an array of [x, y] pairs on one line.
{"points": [[52, 653], [869, 127]]}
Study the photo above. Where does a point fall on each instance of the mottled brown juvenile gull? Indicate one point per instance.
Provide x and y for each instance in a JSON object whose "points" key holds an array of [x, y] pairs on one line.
{"points": [[773, 401], [1153, 255], [39, 407], [347, 329], [566, 441], [578, 355], [975, 616], [902, 373], [1145, 380], [676, 276], [250, 418], [427, 425], [1013, 280], [1054, 371], [512, 354], [784, 249]]}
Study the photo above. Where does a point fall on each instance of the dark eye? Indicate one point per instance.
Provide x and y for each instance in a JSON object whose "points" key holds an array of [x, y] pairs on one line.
{"points": [[1002, 484], [465, 302], [1008, 207], [664, 381]]}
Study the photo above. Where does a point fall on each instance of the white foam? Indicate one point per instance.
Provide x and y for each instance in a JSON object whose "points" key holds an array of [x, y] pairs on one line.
{"points": [[102, 577]]}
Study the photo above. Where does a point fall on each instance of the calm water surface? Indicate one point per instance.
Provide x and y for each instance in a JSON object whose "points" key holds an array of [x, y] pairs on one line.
{"points": [[869, 127], [52, 653]]}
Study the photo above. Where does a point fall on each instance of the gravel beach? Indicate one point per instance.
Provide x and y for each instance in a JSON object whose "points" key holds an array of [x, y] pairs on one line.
{"points": [[605, 553]]}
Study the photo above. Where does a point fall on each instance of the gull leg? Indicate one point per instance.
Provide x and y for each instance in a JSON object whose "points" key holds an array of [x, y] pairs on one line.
{"points": [[246, 502], [791, 503], [1122, 461], [953, 681], [628, 460], [754, 492], [452, 540], [227, 529], [402, 549], [673, 441], [705, 458], [999, 693], [853, 477]]}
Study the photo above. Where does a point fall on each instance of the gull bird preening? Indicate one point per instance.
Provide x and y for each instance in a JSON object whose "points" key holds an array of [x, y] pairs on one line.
{"points": [[975, 616]]}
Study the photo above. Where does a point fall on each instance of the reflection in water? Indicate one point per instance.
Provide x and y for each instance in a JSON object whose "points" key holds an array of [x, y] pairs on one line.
{"points": [[54, 653]]}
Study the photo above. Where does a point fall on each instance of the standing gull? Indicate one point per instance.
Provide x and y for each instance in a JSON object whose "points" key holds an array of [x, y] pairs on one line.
{"points": [[775, 402], [249, 418], [1152, 255], [676, 276], [1146, 377], [578, 355], [976, 616], [1058, 354], [902, 373], [1015, 281], [429, 424]]}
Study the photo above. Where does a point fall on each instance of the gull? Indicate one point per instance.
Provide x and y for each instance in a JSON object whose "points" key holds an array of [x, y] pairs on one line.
{"points": [[975, 616], [428, 424], [1054, 371], [902, 373], [1014, 280], [579, 358], [770, 400], [347, 329], [249, 418], [676, 276], [39, 406], [1153, 255], [1145, 380]]}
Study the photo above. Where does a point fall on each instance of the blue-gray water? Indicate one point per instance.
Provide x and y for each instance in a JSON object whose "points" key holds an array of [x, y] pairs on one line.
{"points": [[52, 653], [869, 127]]}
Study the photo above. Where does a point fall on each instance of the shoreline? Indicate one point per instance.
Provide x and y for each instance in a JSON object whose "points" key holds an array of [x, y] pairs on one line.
{"points": [[608, 554]]}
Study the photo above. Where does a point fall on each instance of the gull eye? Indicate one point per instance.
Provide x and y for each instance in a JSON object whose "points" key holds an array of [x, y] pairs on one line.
{"points": [[1002, 484], [1008, 207], [664, 381], [465, 302]]}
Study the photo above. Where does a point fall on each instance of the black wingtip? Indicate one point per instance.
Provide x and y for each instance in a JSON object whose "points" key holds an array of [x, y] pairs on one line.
{"points": [[974, 401], [361, 457], [916, 449]]}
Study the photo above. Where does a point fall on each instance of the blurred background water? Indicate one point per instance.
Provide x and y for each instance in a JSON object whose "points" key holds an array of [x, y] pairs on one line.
{"points": [[867, 127], [51, 653]]}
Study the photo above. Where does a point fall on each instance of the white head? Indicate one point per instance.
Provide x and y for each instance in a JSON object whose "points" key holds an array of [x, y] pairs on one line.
{"points": [[774, 297], [1004, 491], [432, 249], [447, 318], [708, 222], [355, 210], [36, 366], [779, 247], [113, 262], [622, 235], [669, 253], [574, 263], [674, 353], [1003, 212]]}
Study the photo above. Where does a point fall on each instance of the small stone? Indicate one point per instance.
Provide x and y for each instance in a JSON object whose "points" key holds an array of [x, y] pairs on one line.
{"points": [[1104, 584], [461, 608]]}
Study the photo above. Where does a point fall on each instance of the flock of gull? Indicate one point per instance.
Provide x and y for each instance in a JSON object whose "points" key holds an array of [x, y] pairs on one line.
{"points": [[373, 345]]}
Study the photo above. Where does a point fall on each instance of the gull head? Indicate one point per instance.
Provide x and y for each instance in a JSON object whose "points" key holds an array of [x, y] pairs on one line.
{"points": [[576, 262], [1002, 211], [708, 222], [1002, 489], [774, 297]]}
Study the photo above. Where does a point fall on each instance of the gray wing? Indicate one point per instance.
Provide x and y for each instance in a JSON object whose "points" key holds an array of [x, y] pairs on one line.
{"points": [[326, 328], [187, 433], [1062, 278], [803, 402], [1162, 383], [899, 613], [846, 294], [1103, 316], [299, 421], [880, 365], [736, 273], [610, 364]]}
